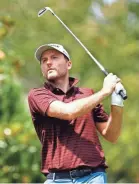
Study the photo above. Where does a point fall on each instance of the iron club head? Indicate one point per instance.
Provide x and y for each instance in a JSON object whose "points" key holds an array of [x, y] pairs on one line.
{"points": [[45, 9]]}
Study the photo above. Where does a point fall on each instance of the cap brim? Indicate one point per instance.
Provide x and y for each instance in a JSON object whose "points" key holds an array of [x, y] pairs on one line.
{"points": [[40, 51]]}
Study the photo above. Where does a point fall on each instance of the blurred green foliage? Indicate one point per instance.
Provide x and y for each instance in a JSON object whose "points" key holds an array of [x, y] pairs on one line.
{"points": [[110, 32]]}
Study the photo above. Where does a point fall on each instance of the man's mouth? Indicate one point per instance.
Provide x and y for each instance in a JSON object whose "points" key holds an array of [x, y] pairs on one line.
{"points": [[51, 70]]}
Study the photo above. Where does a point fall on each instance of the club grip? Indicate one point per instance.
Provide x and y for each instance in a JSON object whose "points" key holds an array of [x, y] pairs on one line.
{"points": [[123, 94]]}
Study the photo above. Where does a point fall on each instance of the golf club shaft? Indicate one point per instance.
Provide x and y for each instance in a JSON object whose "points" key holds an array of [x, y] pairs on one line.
{"points": [[121, 92], [92, 57]]}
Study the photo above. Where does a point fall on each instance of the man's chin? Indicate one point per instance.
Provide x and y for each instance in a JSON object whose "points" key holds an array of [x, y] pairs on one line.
{"points": [[51, 77]]}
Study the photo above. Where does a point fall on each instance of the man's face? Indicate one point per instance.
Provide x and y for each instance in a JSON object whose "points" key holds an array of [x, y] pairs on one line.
{"points": [[54, 65]]}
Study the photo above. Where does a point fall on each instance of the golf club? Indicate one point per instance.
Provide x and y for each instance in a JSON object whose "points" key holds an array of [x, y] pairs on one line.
{"points": [[121, 88]]}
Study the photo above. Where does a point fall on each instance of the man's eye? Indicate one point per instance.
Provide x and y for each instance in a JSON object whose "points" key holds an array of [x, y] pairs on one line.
{"points": [[55, 57], [43, 60]]}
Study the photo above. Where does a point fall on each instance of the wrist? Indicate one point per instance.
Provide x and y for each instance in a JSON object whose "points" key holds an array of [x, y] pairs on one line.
{"points": [[104, 93]]}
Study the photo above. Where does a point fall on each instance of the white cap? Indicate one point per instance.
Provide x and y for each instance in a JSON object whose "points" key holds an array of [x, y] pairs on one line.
{"points": [[45, 47]]}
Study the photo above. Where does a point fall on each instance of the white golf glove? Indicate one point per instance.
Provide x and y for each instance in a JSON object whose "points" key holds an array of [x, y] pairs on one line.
{"points": [[116, 99]]}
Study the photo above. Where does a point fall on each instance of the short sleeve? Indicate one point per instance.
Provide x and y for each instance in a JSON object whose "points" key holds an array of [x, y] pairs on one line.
{"points": [[99, 114], [39, 100]]}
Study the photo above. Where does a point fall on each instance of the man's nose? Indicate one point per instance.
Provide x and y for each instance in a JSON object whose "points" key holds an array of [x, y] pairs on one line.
{"points": [[49, 62]]}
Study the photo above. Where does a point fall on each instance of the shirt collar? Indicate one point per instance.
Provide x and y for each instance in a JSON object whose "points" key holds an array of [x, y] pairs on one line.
{"points": [[72, 83]]}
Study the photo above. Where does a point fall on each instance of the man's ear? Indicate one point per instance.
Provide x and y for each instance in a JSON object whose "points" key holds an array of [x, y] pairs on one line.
{"points": [[69, 65]]}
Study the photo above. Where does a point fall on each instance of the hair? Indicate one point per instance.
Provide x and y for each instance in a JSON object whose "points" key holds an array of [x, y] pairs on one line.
{"points": [[66, 57]]}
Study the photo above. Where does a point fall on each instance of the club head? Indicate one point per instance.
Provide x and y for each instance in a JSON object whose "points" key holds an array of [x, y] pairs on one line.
{"points": [[44, 10]]}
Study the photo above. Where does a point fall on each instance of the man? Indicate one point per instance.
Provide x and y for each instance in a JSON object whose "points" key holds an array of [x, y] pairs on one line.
{"points": [[67, 118]]}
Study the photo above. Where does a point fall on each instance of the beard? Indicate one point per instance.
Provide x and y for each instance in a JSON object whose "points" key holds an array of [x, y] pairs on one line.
{"points": [[54, 75]]}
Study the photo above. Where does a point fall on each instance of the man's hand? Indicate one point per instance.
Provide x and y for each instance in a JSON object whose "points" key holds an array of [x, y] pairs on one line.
{"points": [[109, 83], [116, 99]]}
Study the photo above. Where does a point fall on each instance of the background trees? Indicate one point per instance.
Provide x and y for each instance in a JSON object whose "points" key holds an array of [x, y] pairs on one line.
{"points": [[110, 32]]}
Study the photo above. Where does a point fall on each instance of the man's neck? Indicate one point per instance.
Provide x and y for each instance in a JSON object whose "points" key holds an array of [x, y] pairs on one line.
{"points": [[61, 84]]}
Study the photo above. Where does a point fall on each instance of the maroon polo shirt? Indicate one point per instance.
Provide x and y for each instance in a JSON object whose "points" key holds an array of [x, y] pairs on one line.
{"points": [[66, 144]]}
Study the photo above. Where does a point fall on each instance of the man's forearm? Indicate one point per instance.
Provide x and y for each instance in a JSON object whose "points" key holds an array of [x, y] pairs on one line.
{"points": [[83, 106], [74, 109], [113, 128]]}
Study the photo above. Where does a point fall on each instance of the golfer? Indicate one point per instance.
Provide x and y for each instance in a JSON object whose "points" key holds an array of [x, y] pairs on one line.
{"points": [[67, 118]]}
